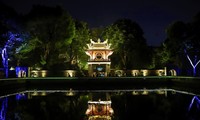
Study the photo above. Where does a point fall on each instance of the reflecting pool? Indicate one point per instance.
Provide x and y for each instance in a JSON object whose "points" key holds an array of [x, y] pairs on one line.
{"points": [[140, 104]]}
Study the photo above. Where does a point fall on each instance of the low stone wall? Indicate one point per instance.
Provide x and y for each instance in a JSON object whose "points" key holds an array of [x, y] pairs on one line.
{"points": [[142, 72], [46, 73], [113, 73]]}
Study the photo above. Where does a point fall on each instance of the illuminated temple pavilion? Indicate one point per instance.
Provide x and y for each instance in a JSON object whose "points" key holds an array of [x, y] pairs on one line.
{"points": [[99, 62]]}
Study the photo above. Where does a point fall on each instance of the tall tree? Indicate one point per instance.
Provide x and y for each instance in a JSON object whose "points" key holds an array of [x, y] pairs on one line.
{"points": [[183, 40], [11, 36], [127, 40], [162, 56], [76, 49], [170, 54], [51, 30], [176, 35], [192, 43]]}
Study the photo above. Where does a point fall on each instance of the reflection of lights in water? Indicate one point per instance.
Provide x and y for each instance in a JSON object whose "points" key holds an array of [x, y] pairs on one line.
{"points": [[195, 98], [101, 117], [70, 93], [147, 91], [116, 92], [194, 103], [3, 108], [20, 96], [99, 102], [194, 108]]}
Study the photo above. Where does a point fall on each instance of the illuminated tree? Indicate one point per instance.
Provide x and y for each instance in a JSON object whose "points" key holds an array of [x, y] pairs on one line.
{"points": [[192, 50], [115, 37], [51, 30], [128, 43], [176, 32], [192, 44], [11, 48], [162, 56], [11, 36], [183, 42], [76, 49]]}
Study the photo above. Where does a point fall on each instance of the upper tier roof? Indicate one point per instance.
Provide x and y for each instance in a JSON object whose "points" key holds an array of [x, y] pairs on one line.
{"points": [[98, 44]]}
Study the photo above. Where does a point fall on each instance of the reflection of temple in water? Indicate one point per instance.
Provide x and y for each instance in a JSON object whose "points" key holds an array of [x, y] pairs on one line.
{"points": [[99, 109]]}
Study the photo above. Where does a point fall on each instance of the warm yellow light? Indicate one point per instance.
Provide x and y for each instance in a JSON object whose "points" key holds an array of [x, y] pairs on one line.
{"points": [[145, 92], [12, 68], [161, 92], [99, 117], [43, 94], [70, 93], [144, 72], [135, 93], [43, 73], [34, 93]]}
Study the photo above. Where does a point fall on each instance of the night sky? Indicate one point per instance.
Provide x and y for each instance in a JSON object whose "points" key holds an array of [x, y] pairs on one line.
{"points": [[152, 15]]}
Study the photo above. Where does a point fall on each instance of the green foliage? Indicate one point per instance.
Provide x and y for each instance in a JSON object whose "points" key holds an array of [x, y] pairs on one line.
{"points": [[114, 35], [162, 56], [128, 44], [76, 49], [51, 31], [182, 40]]}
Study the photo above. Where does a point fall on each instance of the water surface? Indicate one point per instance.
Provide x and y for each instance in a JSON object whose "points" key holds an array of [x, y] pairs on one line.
{"points": [[136, 104]]}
